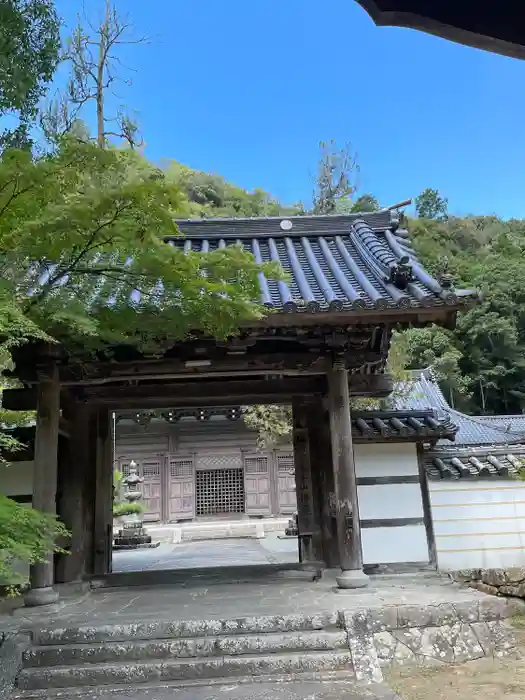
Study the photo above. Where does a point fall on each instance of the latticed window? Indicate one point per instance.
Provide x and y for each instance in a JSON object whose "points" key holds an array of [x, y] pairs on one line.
{"points": [[124, 468], [285, 464], [220, 491], [181, 468], [151, 470], [256, 465]]}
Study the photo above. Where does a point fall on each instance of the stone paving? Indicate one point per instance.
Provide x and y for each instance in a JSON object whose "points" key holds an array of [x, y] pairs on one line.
{"points": [[210, 553], [234, 600], [298, 690]]}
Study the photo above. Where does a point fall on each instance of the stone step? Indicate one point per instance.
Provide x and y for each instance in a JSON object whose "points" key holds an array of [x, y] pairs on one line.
{"points": [[200, 647], [183, 629], [92, 675], [206, 576], [327, 686]]}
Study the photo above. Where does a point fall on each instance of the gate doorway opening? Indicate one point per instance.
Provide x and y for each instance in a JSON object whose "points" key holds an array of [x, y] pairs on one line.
{"points": [[210, 496]]}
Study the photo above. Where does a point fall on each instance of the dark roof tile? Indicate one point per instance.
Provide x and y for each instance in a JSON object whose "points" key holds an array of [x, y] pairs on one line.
{"points": [[480, 464], [401, 425], [340, 262], [335, 263]]}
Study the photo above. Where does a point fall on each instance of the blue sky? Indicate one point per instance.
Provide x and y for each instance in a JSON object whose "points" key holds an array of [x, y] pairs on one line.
{"points": [[248, 89]]}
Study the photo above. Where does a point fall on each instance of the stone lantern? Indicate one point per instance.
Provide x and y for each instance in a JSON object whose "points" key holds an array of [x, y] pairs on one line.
{"points": [[133, 534]]}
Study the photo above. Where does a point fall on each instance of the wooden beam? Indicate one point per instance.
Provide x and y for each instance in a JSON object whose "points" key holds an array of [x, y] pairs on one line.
{"points": [[198, 367], [316, 362], [196, 392]]}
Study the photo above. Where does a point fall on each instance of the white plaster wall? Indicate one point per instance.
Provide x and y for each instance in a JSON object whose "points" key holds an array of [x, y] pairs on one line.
{"points": [[389, 545], [383, 459], [478, 524], [16, 479], [394, 545]]}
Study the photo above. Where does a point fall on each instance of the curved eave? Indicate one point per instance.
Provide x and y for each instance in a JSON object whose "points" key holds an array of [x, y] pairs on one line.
{"points": [[413, 316], [480, 38]]}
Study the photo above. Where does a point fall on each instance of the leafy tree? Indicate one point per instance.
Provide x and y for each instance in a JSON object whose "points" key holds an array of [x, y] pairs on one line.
{"points": [[273, 423], [95, 221], [365, 203], [92, 54], [30, 44], [210, 195], [336, 179], [431, 205], [480, 363]]}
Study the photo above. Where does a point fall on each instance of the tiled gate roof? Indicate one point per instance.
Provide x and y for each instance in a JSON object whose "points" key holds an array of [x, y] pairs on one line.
{"points": [[335, 263]]}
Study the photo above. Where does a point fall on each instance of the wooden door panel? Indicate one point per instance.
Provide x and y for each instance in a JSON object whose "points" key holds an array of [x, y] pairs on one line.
{"points": [[152, 489], [286, 483], [257, 484], [181, 476]]}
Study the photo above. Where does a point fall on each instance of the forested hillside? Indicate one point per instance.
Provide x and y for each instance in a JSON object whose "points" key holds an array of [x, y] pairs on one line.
{"points": [[481, 364]]}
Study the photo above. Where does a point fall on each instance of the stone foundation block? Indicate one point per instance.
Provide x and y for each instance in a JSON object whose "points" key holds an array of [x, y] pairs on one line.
{"points": [[492, 608], [494, 577], [484, 587], [515, 574], [516, 591], [465, 575]]}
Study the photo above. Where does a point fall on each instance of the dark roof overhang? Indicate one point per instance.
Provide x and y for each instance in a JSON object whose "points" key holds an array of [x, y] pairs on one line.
{"points": [[496, 27], [481, 462], [401, 426]]}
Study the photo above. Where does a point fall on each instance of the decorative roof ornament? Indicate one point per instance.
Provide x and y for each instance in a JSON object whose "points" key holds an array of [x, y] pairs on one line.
{"points": [[444, 277], [395, 220], [401, 273]]}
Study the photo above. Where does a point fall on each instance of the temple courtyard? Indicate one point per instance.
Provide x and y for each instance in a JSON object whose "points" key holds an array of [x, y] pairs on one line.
{"points": [[272, 549]]}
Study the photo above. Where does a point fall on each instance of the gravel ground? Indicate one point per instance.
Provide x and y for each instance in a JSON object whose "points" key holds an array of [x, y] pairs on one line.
{"points": [[484, 679]]}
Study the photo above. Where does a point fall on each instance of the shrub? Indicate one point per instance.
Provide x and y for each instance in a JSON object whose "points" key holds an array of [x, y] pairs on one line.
{"points": [[26, 535], [120, 509]]}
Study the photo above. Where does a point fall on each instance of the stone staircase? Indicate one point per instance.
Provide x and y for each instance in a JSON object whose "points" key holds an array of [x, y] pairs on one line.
{"points": [[93, 661], [73, 661]]}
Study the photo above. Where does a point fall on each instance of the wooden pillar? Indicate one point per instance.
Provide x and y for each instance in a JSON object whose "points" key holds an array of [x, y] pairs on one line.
{"points": [[76, 481], [103, 526], [310, 540], [427, 508], [347, 509], [323, 478], [41, 591]]}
